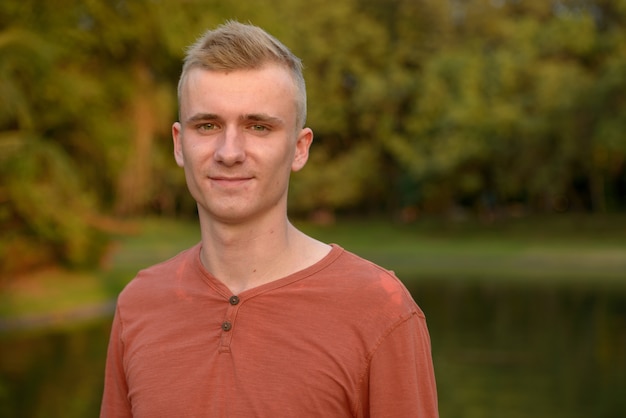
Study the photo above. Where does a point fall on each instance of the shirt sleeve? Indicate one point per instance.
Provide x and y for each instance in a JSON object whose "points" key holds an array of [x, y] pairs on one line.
{"points": [[115, 402], [402, 379]]}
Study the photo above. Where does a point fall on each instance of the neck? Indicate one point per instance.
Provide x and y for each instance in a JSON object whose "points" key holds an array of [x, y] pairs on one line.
{"points": [[245, 256]]}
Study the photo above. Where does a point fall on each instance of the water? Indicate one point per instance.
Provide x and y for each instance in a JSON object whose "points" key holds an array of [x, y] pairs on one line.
{"points": [[499, 351], [515, 351], [55, 374]]}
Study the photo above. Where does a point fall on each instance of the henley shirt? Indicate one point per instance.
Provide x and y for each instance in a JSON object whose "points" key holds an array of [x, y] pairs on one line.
{"points": [[341, 338]]}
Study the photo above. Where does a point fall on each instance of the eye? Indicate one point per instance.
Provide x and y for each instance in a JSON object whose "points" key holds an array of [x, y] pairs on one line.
{"points": [[259, 128], [206, 127]]}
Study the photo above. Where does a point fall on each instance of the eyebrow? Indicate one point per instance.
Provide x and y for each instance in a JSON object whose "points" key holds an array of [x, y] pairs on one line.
{"points": [[255, 117], [198, 117], [262, 117]]}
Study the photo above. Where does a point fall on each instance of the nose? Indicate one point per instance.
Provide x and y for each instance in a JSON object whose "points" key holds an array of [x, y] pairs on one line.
{"points": [[230, 148]]}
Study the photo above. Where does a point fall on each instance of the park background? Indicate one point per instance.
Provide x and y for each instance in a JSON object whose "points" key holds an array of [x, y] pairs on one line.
{"points": [[475, 147]]}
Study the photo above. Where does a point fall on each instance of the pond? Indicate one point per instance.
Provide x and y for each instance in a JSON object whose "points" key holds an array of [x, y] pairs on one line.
{"points": [[517, 351], [499, 351]]}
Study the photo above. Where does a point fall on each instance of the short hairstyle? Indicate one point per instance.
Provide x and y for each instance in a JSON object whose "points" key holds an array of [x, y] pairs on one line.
{"points": [[238, 46]]}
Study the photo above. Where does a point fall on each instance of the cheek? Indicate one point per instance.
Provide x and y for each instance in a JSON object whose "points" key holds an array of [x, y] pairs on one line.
{"points": [[196, 154]]}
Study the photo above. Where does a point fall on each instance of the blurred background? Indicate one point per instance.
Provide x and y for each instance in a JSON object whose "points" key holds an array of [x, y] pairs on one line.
{"points": [[476, 147]]}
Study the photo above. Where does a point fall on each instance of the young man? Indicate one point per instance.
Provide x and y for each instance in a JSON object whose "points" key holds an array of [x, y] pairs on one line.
{"points": [[259, 319]]}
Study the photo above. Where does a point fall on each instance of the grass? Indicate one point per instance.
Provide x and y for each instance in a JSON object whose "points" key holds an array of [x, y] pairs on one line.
{"points": [[565, 250], [55, 297]]}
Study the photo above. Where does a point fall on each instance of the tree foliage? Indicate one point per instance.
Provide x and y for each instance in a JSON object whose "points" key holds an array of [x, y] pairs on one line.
{"points": [[427, 104]]}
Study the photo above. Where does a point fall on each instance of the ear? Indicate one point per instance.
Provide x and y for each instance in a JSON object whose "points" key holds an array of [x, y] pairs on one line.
{"points": [[303, 143], [177, 137]]}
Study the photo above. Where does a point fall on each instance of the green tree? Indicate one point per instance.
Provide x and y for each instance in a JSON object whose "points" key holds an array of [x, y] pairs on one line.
{"points": [[46, 213], [424, 103], [503, 107]]}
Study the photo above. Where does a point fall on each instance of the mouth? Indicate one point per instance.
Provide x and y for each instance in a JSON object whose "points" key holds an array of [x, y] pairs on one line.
{"points": [[227, 181]]}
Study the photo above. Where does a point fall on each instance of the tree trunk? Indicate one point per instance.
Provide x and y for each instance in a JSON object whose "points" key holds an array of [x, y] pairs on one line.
{"points": [[134, 186]]}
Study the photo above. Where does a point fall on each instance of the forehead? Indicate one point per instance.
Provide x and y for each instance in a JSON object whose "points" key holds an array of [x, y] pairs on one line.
{"points": [[269, 89]]}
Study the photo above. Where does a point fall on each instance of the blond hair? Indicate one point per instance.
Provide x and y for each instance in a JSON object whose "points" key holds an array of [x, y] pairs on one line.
{"points": [[237, 46]]}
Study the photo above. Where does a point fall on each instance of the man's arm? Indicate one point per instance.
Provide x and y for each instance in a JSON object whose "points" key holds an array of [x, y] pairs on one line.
{"points": [[402, 379], [115, 401]]}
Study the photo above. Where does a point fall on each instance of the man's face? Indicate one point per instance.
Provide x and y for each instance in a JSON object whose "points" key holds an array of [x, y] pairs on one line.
{"points": [[238, 143]]}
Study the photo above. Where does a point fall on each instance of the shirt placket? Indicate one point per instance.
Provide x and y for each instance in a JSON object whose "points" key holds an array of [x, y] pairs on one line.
{"points": [[228, 323]]}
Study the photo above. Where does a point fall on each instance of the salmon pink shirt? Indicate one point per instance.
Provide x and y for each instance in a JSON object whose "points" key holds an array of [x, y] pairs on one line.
{"points": [[341, 338]]}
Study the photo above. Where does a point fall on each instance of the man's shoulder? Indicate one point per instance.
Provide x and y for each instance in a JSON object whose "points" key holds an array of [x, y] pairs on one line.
{"points": [[163, 273], [371, 283], [362, 270]]}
